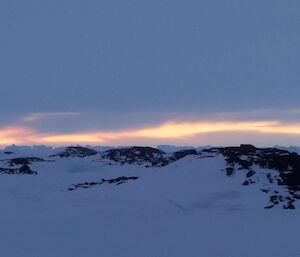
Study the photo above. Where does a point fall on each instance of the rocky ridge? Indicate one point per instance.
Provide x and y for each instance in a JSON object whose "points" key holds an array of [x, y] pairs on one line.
{"points": [[280, 168]]}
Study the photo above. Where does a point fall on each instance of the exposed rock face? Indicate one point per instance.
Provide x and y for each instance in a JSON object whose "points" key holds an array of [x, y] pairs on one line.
{"points": [[19, 165], [24, 161], [76, 151], [138, 155], [116, 181], [24, 169], [9, 171], [242, 158], [183, 153], [286, 163], [148, 156]]}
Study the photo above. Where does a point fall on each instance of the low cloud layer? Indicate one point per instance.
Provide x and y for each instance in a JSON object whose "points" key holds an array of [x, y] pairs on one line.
{"points": [[218, 131], [34, 117]]}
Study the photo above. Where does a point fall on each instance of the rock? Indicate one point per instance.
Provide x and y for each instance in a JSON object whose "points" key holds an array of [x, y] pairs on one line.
{"points": [[247, 149], [137, 155], [115, 181], [229, 171], [25, 169], [24, 160], [76, 151], [250, 173], [246, 183], [183, 153]]}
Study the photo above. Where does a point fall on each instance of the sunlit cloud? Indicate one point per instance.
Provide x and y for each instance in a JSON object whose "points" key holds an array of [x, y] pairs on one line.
{"points": [[32, 117], [16, 135], [176, 131]]}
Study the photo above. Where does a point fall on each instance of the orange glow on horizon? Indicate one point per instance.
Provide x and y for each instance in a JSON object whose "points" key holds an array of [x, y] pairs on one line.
{"points": [[14, 135], [169, 130]]}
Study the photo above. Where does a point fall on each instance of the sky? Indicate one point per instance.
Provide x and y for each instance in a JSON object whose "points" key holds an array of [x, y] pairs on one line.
{"points": [[117, 72]]}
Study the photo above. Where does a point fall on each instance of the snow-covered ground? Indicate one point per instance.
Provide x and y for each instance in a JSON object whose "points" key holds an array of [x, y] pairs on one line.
{"points": [[189, 208]]}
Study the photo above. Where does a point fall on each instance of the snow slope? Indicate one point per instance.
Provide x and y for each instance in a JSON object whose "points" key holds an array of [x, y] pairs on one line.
{"points": [[189, 207]]}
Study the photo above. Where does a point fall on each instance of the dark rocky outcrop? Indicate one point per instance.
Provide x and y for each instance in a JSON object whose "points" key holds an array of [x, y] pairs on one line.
{"points": [[245, 156], [183, 153], [9, 171], [137, 155], [117, 181], [24, 161], [287, 164], [24, 169], [148, 156], [75, 151]]}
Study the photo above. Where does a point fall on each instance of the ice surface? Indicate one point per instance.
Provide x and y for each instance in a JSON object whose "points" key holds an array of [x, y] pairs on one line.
{"points": [[188, 208]]}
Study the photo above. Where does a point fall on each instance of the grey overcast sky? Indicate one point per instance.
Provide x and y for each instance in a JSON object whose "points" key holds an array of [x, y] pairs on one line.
{"points": [[79, 65]]}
